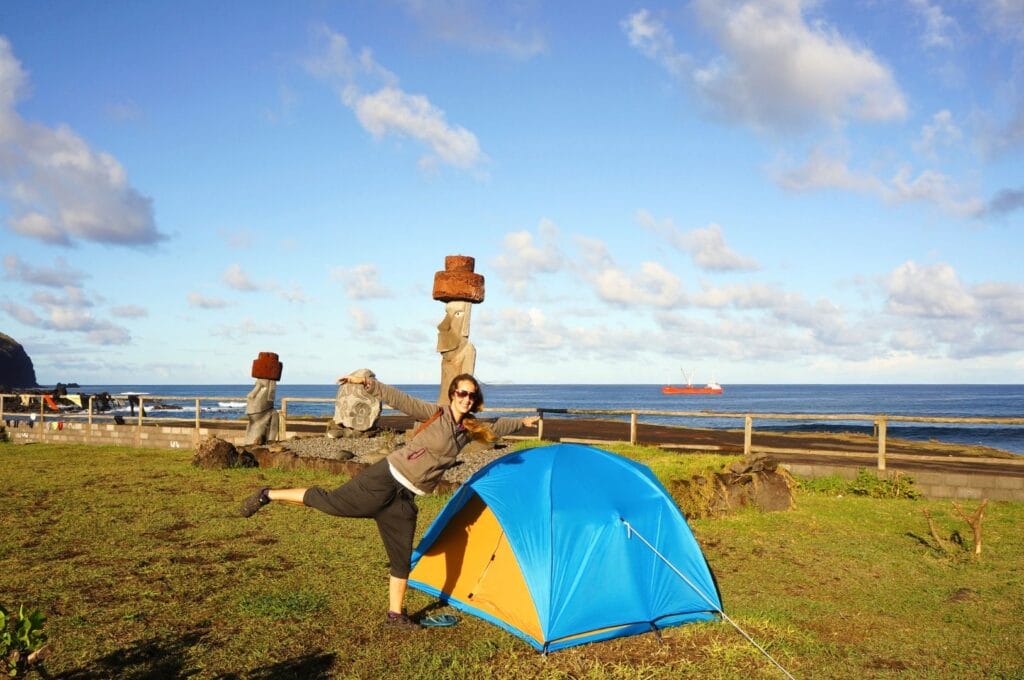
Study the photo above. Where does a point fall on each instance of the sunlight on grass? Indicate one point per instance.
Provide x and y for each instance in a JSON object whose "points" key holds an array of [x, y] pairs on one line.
{"points": [[145, 570]]}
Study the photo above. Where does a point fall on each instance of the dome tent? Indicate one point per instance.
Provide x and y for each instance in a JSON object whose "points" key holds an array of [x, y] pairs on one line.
{"points": [[563, 545]]}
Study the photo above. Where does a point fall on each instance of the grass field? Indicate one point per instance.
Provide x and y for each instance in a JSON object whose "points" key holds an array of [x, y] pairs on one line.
{"points": [[144, 570]]}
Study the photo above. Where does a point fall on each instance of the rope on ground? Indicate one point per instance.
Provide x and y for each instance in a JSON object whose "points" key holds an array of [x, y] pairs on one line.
{"points": [[631, 530]]}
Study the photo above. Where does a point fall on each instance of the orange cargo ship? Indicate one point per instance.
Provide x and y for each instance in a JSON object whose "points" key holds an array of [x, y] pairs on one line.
{"points": [[711, 388]]}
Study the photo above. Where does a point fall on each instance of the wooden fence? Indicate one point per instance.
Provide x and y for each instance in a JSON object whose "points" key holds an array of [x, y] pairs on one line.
{"points": [[880, 421]]}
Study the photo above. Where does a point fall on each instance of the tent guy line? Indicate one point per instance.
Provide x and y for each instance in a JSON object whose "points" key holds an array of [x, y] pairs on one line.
{"points": [[630, 531]]}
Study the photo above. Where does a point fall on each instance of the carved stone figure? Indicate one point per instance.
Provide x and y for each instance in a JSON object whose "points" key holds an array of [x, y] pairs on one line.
{"points": [[264, 421], [354, 409], [458, 355], [458, 286]]}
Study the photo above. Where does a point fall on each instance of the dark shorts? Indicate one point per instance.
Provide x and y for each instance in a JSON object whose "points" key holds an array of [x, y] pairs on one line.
{"points": [[375, 493]]}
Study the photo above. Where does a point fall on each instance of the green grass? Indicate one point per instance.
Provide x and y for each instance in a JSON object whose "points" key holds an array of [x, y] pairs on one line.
{"points": [[144, 570]]}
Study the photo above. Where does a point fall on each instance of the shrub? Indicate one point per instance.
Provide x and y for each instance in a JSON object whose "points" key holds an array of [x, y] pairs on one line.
{"points": [[21, 638], [896, 485]]}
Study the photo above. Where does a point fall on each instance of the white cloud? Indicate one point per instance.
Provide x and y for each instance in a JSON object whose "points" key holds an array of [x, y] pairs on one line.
{"points": [[59, 276], [653, 285], [653, 40], [362, 320], [1002, 301], [939, 28], [705, 245], [238, 239], [941, 131], [753, 296], [295, 293], [248, 328], [523, 257], [531, 329], [1004, 17], [933, 291], [822, 170], [203, 302], [392, 111], [709, 251], [124, 112], [362, 282], [388, 110], [72, 297], [129, 311], [238, 279], [68, 315], [776, 70], [472, 25], [933, 187], [59, 189]]}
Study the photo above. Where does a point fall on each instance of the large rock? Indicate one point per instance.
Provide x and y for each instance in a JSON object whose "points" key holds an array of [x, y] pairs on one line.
{"points": [[16, 368], [216, 454], [757, 482]]}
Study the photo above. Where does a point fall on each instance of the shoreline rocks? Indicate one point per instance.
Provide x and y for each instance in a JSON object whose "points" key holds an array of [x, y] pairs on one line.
{"points": [[16, 369]]}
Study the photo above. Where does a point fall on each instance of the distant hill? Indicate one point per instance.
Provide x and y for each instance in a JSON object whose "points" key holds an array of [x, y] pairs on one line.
{"points": [[16, 368]]}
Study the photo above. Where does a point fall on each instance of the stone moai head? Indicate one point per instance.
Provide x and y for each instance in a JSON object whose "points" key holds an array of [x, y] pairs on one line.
{"points": [[454, 327]]}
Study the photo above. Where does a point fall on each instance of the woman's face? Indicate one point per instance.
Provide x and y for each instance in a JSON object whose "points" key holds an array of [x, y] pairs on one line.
{"points": [[461, 405]]}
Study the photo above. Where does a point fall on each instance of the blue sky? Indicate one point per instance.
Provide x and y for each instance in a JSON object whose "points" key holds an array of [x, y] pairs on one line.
{"points": [[776, 191]]}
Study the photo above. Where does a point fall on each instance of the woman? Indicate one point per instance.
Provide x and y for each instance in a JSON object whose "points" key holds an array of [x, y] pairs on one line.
{"points": [[386, 490]]}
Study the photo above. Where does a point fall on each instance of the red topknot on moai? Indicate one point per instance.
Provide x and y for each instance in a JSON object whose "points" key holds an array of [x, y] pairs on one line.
{"points": [[458, 287], [264, 421]]}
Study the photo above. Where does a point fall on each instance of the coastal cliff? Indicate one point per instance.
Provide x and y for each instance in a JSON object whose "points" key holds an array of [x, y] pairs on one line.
{"points": [[16, 369]]}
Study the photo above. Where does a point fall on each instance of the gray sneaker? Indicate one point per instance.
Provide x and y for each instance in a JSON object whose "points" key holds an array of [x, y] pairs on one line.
{"points": [[254, 502]]}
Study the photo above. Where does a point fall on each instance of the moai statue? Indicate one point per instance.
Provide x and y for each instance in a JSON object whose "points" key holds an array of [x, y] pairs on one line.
{"points": [[459, 288], [264, 421], [355, 412]]}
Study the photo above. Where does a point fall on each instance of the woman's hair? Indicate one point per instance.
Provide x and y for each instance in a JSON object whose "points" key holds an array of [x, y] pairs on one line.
{"points": [[478, 431]]}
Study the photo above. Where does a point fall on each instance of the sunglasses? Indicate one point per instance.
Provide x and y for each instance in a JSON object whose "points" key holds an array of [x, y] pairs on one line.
{"points": [[462, 394]]}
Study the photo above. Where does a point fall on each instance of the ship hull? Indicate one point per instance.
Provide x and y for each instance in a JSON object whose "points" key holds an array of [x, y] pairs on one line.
{"points": [[672, 389]]}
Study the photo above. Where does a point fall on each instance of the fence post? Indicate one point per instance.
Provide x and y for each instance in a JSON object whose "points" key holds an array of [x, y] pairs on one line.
{"points": [[88, 417], [138, 424], [632, 428], [540, 425], [195, 439], [881, 425], [42, 410], [1, 407], [748, 431], [283, 430]]}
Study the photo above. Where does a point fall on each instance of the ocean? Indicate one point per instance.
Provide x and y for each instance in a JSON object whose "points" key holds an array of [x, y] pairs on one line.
{"points": [[905, 400]]}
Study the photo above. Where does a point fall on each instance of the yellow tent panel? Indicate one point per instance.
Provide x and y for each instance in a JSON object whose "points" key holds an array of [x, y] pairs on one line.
{"points": [[472, 561]]}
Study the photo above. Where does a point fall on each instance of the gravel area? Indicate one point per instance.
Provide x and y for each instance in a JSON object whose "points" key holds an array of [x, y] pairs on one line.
{"points": [[371, 449]]}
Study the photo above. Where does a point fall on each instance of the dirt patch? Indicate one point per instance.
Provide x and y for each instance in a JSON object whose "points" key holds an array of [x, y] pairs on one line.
{"points": [[887, 665]]}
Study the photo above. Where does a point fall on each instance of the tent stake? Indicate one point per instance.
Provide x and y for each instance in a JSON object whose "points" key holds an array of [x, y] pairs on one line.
{"points": [[630, 530]]}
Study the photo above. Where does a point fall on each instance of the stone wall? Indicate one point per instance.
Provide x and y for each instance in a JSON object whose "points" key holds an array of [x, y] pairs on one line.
{"points": [[955, 485], [129, 434]]}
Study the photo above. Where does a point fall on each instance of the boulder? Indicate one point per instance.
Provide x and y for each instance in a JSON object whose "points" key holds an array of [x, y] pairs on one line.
{"points": [[216, 454], [16, 369], [757, 482]]}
